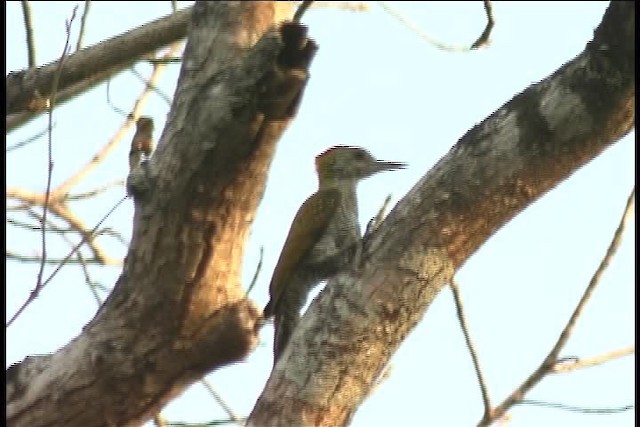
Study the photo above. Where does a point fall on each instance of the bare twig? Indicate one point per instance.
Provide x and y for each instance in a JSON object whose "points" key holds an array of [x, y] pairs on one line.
{"points": [[301, 10], [480, 42], [58, 207], [565, 365], [551, 360], [583, 410], [95, 192], [376, 220], [29, 140], [149, 85], [174, 5], [85, 272], [111, 104], [349, 6], [51, 228], [83, 21], [28, 29], [52, 103], [49, 261], [472, 351], [221, 402], [257, 272], [483, 40], [36, 291]]}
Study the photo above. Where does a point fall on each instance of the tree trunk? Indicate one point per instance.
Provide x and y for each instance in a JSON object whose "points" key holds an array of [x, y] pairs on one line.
{"points": [[178, 311]]}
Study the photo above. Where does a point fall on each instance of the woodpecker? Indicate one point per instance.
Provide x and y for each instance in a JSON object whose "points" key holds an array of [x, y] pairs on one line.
{"points": [[142, 143], [323, 233]]}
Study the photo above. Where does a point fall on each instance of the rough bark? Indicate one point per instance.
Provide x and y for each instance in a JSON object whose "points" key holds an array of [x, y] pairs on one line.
{"points": [[178, 310], [498, 168], [28, 90]]}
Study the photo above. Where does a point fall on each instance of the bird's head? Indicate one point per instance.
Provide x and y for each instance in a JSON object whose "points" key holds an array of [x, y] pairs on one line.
{"points": [[352, 163]]}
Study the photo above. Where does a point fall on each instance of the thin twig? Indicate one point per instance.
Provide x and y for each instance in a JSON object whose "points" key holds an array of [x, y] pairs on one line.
{"points": [[36, 291], [111, 104], [51, 228], [472, 351], [52, 102], [301, 10], [583, 410], [59, 208], [376, 220], [166, 98], [550, 361], [29, 140], [220, 401], [257, 272], [174, 5], [95, 192], [28, 29], [565, 365], [83, 21], [85, 272], [349, 6], [483, 40], [49, 261]]}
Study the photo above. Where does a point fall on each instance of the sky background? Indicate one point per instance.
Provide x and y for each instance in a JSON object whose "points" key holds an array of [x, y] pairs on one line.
{"points": [[377, 84]]}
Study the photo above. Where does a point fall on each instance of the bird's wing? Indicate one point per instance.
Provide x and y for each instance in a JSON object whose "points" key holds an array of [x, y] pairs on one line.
{"points": [[307, 228]]}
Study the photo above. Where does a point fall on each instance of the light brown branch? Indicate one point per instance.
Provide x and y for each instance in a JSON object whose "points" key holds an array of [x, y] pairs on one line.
{"points": [[550, 361], [575, 364], [221, 402]]}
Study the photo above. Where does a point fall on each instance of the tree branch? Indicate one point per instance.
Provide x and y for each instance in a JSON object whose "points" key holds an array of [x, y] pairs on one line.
{"points": [[90, 66], [492, 173]]}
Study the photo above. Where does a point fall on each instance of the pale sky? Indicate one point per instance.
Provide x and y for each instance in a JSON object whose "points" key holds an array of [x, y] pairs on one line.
{"points": [[377, 84]]}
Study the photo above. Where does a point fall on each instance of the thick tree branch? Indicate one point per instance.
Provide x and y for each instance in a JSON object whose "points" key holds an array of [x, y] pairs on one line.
{"points": [[88, 67], [501, 166], [178, 309]]}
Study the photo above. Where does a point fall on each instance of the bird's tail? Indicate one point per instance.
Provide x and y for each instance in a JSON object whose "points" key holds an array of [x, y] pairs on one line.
{"points": [[284, 325]]}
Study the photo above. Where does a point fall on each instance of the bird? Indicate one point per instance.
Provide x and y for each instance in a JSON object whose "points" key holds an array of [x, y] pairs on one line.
{"points": [[142, 142], [324, 231]]}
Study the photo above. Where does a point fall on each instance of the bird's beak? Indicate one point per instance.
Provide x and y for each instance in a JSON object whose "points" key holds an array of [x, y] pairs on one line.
{"points": [[382, 166]]}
